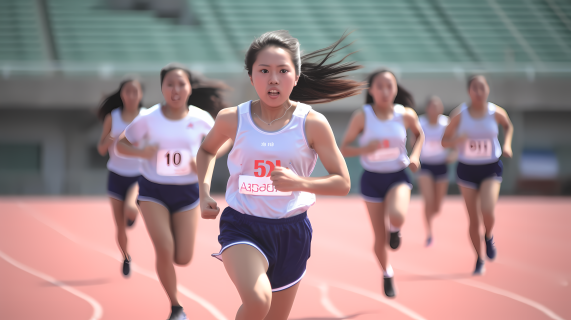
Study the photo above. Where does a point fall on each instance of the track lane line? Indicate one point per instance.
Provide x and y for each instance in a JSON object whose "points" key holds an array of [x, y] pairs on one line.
{"points": [[217, 314], [326, 302], [97, 309], [369, 294], [471, 283]]}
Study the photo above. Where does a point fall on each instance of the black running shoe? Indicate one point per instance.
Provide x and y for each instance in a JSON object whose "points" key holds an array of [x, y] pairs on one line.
{"points": [[394, 240], [389, 287], [127, 267], [491, 248], [429, 241], [130, 223], [177, 313], [480, 269]]}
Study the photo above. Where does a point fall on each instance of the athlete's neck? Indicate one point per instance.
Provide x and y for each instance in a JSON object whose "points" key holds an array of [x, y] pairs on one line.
{"points": [[478, 110], [272, 117], [433, 119], [174, 112], [129, 113]]}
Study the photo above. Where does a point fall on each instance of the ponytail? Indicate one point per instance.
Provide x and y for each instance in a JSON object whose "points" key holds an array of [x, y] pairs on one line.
{"points": [[319, 82], [403, 96], [206, 95], [114, 101]]}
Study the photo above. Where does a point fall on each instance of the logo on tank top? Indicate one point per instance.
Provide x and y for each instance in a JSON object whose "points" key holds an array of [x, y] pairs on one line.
{"points": [[190, 125]]}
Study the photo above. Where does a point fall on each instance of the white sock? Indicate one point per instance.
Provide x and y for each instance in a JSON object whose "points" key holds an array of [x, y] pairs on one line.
{"points": [[388, 273], [392, 228]]}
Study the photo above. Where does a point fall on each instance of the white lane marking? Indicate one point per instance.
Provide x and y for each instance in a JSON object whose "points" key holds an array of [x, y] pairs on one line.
{"points": [[217, 314], [327, 303], [97, 309], [370, 294], [338, 246], [509, 294]]}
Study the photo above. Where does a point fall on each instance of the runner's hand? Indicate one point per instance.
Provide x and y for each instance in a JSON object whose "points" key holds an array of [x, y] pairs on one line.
{"points": [[285, 180], [209, 208]]}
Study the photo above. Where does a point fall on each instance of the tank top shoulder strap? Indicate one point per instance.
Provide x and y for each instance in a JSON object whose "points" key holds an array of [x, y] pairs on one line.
{"points": [[399, 111], [302, 110]]}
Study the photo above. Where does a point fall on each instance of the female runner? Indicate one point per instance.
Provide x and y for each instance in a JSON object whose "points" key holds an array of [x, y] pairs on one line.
{"points": [[168, 189], [117, 111], [385, 185], [474, 132], [265, 234], [433, 174]]}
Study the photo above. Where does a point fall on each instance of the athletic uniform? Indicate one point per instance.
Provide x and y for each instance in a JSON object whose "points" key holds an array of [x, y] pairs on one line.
{"points": [[479, 156], [123, 171], [384, 168], [433, 155], [273, 222], [167, 178]]}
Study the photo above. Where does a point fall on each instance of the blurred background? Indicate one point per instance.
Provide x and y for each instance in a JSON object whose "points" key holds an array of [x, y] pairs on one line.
{"points": [[58, 58]]}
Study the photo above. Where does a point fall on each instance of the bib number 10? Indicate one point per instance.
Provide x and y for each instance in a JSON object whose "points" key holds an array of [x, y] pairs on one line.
{"points": [[173, 162], [261, 166]]}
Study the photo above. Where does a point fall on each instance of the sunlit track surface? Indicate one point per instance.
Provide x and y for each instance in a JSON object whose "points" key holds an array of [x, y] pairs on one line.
{"points": [[60, 261]]}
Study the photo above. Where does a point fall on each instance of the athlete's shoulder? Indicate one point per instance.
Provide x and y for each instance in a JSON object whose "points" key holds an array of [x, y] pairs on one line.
{"points": [[200, 114], [150, 111], [443, 120], [227, 115]]}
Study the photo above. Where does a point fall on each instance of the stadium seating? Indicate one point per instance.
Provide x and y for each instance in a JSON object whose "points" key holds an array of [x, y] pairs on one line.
{"points": [[408, 31]]}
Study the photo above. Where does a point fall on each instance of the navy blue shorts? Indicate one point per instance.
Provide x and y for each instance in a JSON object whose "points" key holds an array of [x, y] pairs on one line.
{"points": [[176, 198], [375, 185], [436, 171], [471, 175], [285, 243], [117, 185]]}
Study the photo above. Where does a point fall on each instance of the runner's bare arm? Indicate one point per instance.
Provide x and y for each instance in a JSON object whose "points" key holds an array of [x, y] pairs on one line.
{"points": [[503, 119], [449, 139], [356, 126], [106, 140], [412, 123], [224, 129]]}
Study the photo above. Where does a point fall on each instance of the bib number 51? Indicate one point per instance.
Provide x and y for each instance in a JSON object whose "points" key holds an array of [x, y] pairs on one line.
{"points": [[260, 165]]}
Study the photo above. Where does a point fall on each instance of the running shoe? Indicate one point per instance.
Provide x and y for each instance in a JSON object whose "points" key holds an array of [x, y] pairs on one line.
{"points": [[429, 241], [480, 269], [127, 267], [177, 313], [491, 248], [394, 240], [389, 287]]}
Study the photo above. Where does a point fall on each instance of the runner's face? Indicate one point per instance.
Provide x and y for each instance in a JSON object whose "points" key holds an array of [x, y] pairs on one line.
{"points": [[479, 90], [273, 76], [176, 88], [131, 94], [434, 108], [384, 89]]}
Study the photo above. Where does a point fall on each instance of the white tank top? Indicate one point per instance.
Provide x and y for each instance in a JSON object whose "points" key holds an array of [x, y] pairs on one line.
{"points": [[432, 151], [482, 145], [178, 142], [121, 165], [392, 155], [254, 156]]}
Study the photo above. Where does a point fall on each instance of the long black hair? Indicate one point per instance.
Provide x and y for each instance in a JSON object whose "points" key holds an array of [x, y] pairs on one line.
{"points": [[403, 96], [318, 82], [114, 101], [206, 94]]}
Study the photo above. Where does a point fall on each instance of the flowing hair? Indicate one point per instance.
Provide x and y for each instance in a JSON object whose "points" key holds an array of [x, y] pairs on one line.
{"points": [[114, 101], [403, 96], [206, 94], [320, 81]]}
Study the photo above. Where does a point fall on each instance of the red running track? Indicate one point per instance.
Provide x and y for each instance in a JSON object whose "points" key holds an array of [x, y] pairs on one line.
{"points": [[59, 260]]}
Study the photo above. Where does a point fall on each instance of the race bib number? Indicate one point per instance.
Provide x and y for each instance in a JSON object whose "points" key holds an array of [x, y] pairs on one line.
{"points": [[259, 186], [384, 154], [432, 147], [173, 162], [478, 149]]}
